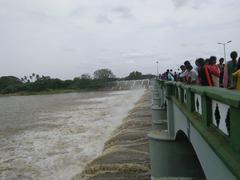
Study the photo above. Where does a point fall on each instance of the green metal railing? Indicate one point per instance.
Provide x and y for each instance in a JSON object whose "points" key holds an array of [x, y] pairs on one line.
{"points": [[215, 113]]}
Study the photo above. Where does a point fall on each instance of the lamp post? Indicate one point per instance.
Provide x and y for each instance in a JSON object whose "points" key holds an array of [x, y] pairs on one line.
{"points": [[224, 49], [157, 69]]}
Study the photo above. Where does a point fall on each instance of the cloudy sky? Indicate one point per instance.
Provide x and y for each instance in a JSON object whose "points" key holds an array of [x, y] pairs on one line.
{"points": [[66, 38]]}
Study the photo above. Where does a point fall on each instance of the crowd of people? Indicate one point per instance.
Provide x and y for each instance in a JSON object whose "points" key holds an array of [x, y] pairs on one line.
{"points": [[208, 73]]}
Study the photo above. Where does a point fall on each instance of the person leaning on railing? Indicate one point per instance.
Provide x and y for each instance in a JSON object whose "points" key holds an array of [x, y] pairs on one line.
{"points": [[221, 68], [230, 67], [214, 71], [169, 76], [202, 78], [192, 75], [184, 76], [236, 75]]}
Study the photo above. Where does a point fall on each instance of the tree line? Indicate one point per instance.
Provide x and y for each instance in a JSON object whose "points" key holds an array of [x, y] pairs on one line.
{"points": [[37, 83]]}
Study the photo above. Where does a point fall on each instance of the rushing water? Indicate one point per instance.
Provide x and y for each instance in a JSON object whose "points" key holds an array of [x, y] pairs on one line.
{"points": [[54, 136]]}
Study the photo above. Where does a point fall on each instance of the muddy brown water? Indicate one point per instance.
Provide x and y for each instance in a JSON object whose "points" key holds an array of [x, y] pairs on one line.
{"points": [[54, 136]]}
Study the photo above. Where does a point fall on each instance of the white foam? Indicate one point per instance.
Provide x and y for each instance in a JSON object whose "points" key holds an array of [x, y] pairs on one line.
{"points": [[62, 139]]}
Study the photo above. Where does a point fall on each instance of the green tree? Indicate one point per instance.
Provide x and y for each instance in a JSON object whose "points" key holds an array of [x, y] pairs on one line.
{"points": [[103, 74], [25, 79], [134, 75], [76, 79], [33, 77], [37, 76], [9, 84], [85, 76]]}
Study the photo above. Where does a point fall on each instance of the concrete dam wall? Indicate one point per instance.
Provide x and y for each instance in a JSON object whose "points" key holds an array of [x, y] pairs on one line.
{"points": [[126, 154], [130, 84]]}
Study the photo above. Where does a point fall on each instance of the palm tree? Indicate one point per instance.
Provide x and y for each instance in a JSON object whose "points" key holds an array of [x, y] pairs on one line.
{"points": [[22, 79], [25, 78], [37, 76], [33, 75]]}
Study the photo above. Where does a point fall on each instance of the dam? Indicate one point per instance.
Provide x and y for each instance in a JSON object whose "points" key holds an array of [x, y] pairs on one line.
{"points": [[126, 153], [172, 131], [184, 132], [54, 136]]}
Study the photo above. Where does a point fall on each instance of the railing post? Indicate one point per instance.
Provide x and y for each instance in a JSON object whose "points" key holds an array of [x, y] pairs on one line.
{"points": [[161, 84], [170, 90], [206, 110], [234, 128], [190, 100]]}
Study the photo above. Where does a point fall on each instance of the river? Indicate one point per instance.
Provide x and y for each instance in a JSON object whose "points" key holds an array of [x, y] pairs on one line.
{"points": [[55, 136]]}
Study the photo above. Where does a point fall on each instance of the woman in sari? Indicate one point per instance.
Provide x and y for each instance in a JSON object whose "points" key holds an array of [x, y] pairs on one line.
{"points": [[214, 71]]}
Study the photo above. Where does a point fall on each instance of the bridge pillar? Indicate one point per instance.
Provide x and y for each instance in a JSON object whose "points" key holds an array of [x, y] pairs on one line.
{"points": [[159, 117], [170, 157], [159, 113]]}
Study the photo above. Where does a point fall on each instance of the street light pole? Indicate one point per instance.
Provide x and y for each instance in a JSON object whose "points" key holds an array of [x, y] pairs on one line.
{"points": [[224, 50], [157, 69]]}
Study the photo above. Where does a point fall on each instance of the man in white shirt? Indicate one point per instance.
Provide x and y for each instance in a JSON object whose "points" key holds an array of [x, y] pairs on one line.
{"points": [[192, 75]]}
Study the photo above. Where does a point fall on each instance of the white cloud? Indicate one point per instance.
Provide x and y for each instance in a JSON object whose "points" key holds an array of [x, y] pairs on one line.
{"points": [[65, 38], [103, 19], [180, 3], [192, 3]]}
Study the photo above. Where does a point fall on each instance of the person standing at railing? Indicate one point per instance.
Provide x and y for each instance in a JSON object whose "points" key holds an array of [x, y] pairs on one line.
{"points": [[169, 76], [202, 78], [221, 67], [230, 67], [236, 75], [192, 75], [182, 75], [214, 71], [175, 76], [207, 73]]}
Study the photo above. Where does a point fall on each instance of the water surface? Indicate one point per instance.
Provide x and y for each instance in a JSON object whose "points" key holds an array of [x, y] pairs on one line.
{"points": [[54, 136]]}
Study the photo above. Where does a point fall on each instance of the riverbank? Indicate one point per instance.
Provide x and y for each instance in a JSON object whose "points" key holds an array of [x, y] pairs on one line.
{"points": [[49, 92], [108, 86], [126, 153], [41, 92]]}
